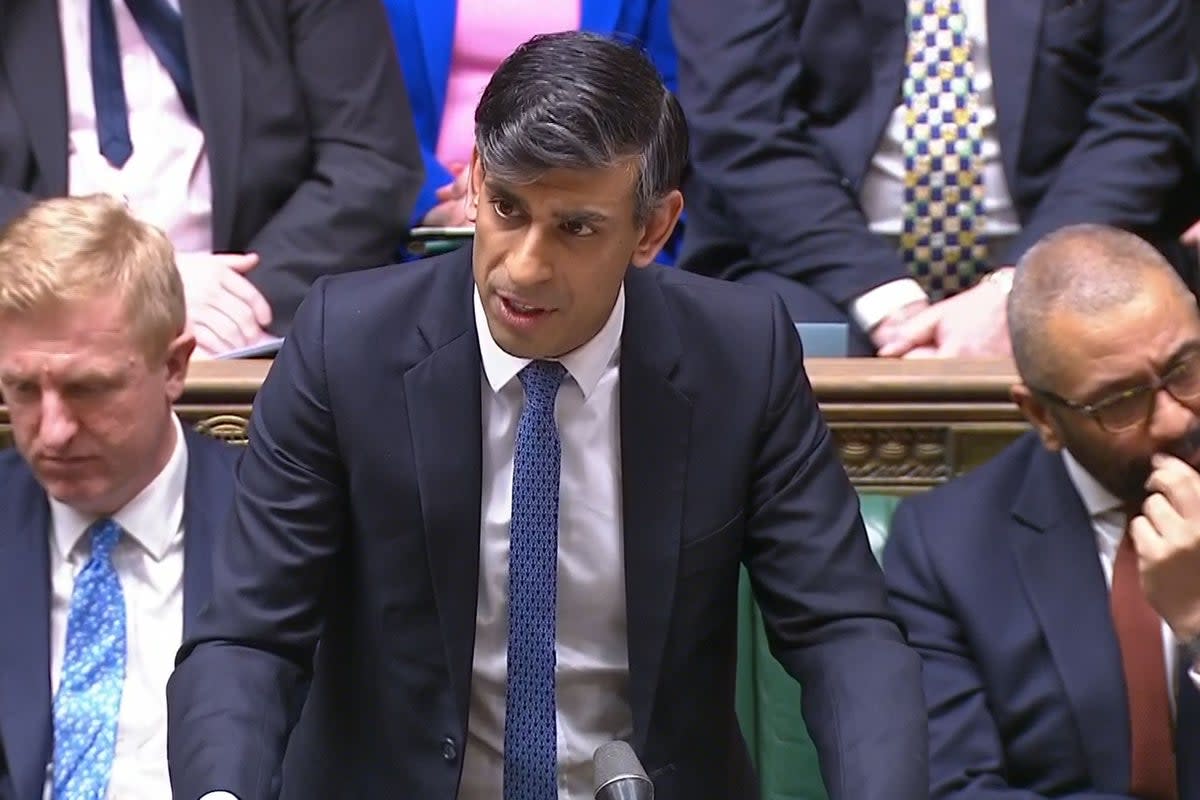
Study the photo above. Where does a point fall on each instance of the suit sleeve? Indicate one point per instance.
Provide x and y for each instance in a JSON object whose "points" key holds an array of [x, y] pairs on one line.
{"points": [[966, 754], [739, 77], [1135, 147], [822, 597], [242, 676], [12, 203], [353, 207]]}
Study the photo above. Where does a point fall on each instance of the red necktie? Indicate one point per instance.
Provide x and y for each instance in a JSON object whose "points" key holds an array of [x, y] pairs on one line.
{"points": [[1139, 634]]}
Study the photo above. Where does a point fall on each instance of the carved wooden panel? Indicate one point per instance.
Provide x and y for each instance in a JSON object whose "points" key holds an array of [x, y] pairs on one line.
{"points": [[899, 426]]}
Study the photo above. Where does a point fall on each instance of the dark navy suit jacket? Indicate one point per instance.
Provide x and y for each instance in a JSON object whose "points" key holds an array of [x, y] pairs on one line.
{"points": [[356, 520], [788, 100], [26, 731], [314, 162], [998, 581]]}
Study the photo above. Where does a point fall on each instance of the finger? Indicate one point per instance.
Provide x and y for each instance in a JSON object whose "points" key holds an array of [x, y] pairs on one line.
{"points": [[444, 193], [1149, 544], [248, 295], [238, 262], [209, 337], [1192, 234], [923, 351], [921, 329], [1165, 521], [1178, 483], [222, 326]]}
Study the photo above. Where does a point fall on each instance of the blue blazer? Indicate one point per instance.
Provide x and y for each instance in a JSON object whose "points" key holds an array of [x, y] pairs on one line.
{"points": [[26, 730], [424, 35], [997, 580]]}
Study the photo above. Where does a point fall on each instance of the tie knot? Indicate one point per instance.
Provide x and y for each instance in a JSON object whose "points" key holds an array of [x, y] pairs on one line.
{"points": [[541, 380], [105, 533]]}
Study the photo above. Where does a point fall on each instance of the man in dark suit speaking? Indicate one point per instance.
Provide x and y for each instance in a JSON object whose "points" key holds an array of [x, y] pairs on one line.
{"points": [[509, 490]]}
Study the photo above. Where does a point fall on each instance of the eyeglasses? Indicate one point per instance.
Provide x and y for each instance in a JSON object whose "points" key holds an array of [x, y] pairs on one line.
{"points": [[1132, 407]]}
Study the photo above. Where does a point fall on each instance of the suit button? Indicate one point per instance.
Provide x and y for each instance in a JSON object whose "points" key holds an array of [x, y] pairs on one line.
{"points": [[449, 749]]}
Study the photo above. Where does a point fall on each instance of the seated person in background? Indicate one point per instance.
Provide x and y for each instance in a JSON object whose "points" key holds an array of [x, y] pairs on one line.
{"points": [[108, 506], [1047, 673], [517, 529], [836, 158], [450, 48], [271, 140]]}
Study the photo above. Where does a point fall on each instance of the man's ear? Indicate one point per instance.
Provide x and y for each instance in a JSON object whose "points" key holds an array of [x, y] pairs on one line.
{"points": [[175, 362], [659, 226], [1038, 414], [474, 186]]}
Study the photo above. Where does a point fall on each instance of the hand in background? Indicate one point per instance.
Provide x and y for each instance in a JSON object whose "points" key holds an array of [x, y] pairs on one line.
{"points": [[1167, 537], [451, 210], [1192, 235], [971, 324], [888, 334], [224, 309]]}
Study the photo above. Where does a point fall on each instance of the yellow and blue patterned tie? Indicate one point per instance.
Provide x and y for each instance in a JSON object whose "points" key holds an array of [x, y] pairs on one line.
{"points": [[943, 186], [93, 675]]}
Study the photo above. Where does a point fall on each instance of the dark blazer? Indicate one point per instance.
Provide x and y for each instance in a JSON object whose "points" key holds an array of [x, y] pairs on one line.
{"points": [[26, 730], [788, 100], [998, 581], [424, 34], [315, 165], [357, 517]]}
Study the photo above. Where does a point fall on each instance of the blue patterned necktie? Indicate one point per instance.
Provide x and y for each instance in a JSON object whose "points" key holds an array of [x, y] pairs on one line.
{"points": [[943, 148], [93, 673], [162, 27], [530, 738]]}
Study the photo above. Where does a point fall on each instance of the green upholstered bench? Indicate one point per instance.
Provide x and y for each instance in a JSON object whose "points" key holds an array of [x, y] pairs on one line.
{"points": [[769, 700]]}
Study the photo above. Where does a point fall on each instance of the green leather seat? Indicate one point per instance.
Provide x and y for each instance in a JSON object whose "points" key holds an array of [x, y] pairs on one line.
{"points": [[768, 698]]}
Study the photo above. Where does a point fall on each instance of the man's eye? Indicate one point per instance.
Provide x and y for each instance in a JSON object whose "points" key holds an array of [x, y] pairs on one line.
{"points": [[578, 228], [503, 208]]}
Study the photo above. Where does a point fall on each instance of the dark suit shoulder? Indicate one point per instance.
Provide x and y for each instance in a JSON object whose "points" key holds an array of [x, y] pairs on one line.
{"points": [[15, 475], [210, 448], [977, 500]]}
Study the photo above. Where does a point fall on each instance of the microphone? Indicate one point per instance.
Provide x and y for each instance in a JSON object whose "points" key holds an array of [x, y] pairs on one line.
{"points": [[619, 774]]}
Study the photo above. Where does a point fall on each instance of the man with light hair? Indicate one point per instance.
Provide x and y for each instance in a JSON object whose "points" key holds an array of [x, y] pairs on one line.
{"points": [[98, 580], [1054, 593]]}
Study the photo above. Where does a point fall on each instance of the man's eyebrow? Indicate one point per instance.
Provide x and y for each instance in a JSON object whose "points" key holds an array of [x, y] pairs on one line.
{"points": [[585, 215]]}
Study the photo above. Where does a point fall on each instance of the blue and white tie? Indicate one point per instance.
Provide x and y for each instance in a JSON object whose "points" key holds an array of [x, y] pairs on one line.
{"points": [[530, 734], [93, 673]]}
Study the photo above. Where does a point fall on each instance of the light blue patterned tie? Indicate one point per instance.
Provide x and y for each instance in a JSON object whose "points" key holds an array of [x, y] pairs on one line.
{"points": [[530, 740], [93, 672]]}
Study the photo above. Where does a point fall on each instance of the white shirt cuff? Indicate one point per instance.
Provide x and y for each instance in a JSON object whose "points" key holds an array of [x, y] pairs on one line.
{"points": [[1194, 674], [218, 796], [871, 308]]}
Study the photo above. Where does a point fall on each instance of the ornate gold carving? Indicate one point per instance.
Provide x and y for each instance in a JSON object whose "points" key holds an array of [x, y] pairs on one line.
{"points": [[894, 455], [227, 427]]}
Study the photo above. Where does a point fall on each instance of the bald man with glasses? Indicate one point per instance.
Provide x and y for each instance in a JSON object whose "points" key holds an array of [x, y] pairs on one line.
{"points": [[1054, 593]]}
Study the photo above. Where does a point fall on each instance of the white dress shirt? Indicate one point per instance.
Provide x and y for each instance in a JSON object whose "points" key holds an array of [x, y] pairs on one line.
{"points": [[882, 194], [166, 180], [148, 559], [1108, 518], [592, 669]]}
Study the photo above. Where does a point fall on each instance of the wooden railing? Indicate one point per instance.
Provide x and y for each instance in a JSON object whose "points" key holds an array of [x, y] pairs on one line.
{"points": [[900, 425]]}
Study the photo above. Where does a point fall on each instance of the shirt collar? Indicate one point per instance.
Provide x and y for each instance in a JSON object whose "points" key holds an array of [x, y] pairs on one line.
{"points": [[586, 363], [1096, 499], [151, 518]]}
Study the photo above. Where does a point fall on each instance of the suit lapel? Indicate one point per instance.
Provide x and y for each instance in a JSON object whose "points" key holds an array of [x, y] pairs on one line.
{"points": [[1055, 548], [210, 31], [25, 726], [1013, 32], [600, 16], [655, 425], [33, 58], [886, 29], [443, 396]]}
